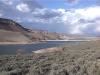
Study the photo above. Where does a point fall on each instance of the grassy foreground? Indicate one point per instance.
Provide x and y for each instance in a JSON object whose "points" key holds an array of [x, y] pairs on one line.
{"points": [[81, 59]]}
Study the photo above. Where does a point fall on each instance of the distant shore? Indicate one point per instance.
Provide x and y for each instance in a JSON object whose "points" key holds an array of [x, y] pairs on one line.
{"points": [[34, 42]]}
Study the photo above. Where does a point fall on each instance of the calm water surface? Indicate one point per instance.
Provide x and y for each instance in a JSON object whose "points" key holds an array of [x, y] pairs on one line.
{"points": [[12, 48]]}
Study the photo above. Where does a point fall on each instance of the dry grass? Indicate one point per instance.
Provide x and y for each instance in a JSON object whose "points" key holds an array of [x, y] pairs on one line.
{"points": [[81, 59]]}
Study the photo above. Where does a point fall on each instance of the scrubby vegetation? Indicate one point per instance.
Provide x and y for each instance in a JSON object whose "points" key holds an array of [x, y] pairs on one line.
{"points": [[83, 59]]}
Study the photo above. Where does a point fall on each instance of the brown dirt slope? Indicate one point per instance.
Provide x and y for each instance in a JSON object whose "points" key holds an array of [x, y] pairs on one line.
{"points": [[11, 31]]}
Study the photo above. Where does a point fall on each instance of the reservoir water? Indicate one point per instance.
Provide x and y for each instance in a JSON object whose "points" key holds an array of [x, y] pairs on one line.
{"points": [[12, 48]]}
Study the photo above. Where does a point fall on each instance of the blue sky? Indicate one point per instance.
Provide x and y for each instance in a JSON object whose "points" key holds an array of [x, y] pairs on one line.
{"points": [[67, 4], [62, 16]]}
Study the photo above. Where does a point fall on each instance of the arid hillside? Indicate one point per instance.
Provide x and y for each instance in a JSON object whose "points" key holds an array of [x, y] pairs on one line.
{"points": [[12, 32], [10, 25]]}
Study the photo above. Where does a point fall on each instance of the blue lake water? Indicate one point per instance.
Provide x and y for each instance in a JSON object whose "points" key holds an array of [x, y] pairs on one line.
{"points": [[12, 48]]}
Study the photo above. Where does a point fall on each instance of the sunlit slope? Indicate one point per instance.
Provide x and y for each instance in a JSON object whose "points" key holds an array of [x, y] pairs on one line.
{"points": [[12, 37]]}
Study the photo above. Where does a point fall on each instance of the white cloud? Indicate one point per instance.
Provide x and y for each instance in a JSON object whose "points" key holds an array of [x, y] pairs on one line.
{"points": [[70, 18], [8, 2], [23, 7], [89, 13], [76, 30], [98, 29], [46, 15], [98, 26], [1, 14], [39, 11]]}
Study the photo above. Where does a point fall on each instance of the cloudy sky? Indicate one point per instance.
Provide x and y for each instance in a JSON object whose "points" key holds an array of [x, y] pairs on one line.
{"points": [[64, 16]]}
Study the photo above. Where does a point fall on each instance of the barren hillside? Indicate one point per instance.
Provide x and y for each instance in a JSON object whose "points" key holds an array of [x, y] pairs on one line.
{"points": [[12, 32]]}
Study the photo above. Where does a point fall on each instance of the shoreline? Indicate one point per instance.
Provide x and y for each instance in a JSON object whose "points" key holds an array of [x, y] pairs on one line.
{"points": [[15, 43], [36, 42]]}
